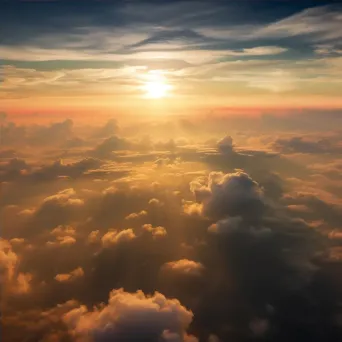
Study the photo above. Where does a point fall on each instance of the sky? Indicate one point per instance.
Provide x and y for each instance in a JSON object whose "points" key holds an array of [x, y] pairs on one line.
{"points": [[64, 56], [170, 171]]}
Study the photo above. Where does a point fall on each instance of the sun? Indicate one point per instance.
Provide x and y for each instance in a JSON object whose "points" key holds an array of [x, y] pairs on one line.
{"points": [[156, 90], [156, 86]]}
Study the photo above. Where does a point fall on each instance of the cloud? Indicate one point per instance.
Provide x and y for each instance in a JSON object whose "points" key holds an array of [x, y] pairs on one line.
{"points": [[18, 169], [319, 22], [55, 210], [184, 266], [56, 132], [317, 208], [8, 261], [252, 244], [316, 24], [226, 226], [229, 195], [37, 135], [154, 202], [271, 53], [11, 280], [146, 52], [114, 237], [305, 145], [225, 145], [258, 51], [38, 322], [66, 277], [62, 231], [132, 316], [107, 146], [135, 216], [108, 129], [93, 237], [156, 232], [62, 241]]}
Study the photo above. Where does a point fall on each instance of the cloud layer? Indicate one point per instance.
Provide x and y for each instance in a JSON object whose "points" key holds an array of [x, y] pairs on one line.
{"points": [[190, 226]]}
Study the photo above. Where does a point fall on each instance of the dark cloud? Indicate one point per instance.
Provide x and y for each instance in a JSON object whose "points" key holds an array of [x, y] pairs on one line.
{"points": [[132, 317], [225, 145], [106, 148], [315, 208], [229, 195], [67, 17], [61, 208], [36, 324], [302, 145], [18, 170]]}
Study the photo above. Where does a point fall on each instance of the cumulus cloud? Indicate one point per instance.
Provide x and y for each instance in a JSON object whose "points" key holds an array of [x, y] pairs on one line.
{"points": [[135, 216], [55, 133], [106, 148], [184, 266], [156, 232], [154, 202], [229, 195], [36, 135], [62, 241], [54, 210], [62, 231], [93, 236], [226, 225], [74, 274], [254, 230], [108, 129], [38, 323], [225, 145], [133, 317], [115, 237]]}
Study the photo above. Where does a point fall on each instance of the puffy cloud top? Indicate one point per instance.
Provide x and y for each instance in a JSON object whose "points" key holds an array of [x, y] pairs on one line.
{"points": [[225, 145], [229, 194], [184, 266], [114, 237], [131, 317]]}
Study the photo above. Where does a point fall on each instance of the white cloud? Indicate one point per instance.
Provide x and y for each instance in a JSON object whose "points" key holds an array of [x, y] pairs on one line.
{"points": [[323, 22]]}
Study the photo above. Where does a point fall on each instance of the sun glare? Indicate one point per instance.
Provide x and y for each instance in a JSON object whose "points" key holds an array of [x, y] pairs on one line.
{"points": [[156, 86]]}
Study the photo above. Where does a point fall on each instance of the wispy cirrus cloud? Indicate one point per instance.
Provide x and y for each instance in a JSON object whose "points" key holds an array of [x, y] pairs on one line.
{"points": [[106, 48]]}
